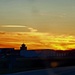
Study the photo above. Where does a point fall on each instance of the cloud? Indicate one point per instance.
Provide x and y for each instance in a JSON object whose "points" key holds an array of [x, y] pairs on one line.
{"points": [[2, 32], [37, 40], [12, 26], [20, 26], [32, 29]]}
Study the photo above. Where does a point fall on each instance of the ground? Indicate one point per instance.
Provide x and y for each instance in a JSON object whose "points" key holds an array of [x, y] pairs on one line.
{"points": [[51, 71]]}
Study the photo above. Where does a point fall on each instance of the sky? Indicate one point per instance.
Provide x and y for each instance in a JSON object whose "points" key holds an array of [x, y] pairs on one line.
{"points": [[44, 17]]}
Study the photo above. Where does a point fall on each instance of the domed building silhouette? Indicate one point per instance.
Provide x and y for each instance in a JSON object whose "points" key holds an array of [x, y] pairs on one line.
{"points": [[23, 47], [45, 53], [27, 53]]}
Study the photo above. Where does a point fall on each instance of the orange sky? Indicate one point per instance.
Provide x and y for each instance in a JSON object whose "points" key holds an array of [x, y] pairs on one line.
{"points": [[37, 40], [40, 24]]}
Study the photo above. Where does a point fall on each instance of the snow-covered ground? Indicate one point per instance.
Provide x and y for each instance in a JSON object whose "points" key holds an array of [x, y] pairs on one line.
{"points": [[51, 71]]}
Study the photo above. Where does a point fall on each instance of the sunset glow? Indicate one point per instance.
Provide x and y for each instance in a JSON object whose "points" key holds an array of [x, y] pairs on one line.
{"points": [[37, 40], [40, 24]]}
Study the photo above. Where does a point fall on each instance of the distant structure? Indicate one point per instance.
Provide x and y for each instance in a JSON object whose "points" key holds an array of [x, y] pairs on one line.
{"points": [[38, 53], [45, 53], [27, 53], [6, 51], [23, 47]]}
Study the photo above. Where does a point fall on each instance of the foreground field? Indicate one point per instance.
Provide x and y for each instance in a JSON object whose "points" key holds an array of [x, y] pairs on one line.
{"points": [[50, 71], [23, 64]]}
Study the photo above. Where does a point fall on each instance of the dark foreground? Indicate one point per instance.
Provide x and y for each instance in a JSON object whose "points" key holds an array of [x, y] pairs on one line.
{"points": [[50, 71], [23, 64]]}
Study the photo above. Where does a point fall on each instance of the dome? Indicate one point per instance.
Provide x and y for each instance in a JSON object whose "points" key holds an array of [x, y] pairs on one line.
{"points": [[23, 45]]}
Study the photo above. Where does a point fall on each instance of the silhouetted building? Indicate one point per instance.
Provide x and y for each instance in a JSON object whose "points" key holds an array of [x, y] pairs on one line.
{"points": [[42, 53], [23, 47], [45, 53], [7, 51]]}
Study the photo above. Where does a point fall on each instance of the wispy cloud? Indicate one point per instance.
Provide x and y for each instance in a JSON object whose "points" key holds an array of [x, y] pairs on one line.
{"points": [[32, 29], [20, 26], [12, 26]]}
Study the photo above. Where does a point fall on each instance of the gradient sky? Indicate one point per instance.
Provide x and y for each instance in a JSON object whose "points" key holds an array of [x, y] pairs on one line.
{"points": [[38, 24], [53, 16]]}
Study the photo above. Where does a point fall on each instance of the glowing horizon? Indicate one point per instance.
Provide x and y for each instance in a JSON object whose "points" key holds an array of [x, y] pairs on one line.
{"points": [[37, 40]]}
